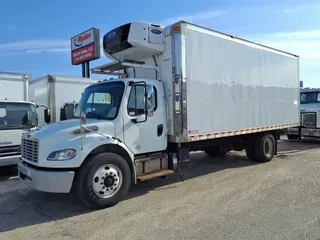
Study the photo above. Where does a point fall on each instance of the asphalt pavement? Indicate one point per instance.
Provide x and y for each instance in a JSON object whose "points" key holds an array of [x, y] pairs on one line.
{"points": [[222, 198]]}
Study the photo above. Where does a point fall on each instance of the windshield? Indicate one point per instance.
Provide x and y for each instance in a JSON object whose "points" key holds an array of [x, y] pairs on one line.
{"points": [[17, 115], [310, 97], [101, 101]]}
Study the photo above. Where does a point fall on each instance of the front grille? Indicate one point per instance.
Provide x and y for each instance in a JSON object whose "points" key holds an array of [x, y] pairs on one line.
{"points": [[309, 119], [9, 150], [29, 149]]}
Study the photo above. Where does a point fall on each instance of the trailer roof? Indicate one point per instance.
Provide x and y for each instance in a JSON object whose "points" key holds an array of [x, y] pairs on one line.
{"points": [[234, 37], [13, 76]]}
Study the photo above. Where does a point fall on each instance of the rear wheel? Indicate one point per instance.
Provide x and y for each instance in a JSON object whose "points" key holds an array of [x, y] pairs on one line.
{"points": [[103, 180], [215, 151], [261, 148]]}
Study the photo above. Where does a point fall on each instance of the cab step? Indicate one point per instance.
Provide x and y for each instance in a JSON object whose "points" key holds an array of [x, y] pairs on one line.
{"points": [[149, 176]]}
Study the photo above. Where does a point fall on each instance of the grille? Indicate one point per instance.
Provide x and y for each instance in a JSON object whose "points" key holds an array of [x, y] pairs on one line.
{"points": [[9, 150], [29, 149], [308, 119]]}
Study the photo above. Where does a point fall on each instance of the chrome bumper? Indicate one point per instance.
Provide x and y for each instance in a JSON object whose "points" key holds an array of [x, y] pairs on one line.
{"points": [[10, 160], [310, 132], [46, 181]]}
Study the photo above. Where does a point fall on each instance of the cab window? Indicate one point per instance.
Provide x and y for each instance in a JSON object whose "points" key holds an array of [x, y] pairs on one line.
{"points": [[136, 104]]}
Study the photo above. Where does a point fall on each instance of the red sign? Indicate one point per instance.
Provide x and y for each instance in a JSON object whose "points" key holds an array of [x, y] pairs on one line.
{"points": [[85, 46], [83, 54]]}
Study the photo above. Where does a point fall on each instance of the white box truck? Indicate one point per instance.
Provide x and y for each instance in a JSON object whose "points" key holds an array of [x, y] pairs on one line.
{"points": [[59, 93], [181, 88], [17, 115]]}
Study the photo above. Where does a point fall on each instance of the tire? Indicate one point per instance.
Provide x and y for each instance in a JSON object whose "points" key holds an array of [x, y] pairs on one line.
{"points": [[103, 180], [215, 152], [250, 153], [292, 137], [264, 147]]}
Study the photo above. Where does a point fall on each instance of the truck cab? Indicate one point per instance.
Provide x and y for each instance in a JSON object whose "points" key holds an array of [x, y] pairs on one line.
{"points": [[16, 117], [309, 115]]}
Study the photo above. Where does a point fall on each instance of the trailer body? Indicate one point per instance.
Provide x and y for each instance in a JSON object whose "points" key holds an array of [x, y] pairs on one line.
{"points": [[58, 93]]}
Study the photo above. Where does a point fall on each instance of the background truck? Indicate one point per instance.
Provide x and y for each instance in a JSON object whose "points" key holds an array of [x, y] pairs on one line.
{"points": [[181, 88], [59, 93], [309, 115], [17, 115]]}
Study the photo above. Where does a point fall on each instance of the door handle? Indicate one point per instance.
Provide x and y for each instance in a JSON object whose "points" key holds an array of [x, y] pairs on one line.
{"points": [[160, 130]]}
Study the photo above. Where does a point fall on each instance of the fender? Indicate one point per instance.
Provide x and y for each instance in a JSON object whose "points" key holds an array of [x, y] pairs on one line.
{"points": [[115, 146]]}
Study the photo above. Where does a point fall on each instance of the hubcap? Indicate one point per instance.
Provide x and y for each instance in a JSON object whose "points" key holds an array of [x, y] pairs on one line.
{"points": [[268, 147], [107, 181]]}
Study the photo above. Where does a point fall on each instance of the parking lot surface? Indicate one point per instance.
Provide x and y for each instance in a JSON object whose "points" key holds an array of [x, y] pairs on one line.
{"points": [[222, 198]]}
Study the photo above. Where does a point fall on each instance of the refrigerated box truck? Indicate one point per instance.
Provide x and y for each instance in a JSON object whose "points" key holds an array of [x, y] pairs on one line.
{"points": [[59, 93], [17, 115], [181, 88]]}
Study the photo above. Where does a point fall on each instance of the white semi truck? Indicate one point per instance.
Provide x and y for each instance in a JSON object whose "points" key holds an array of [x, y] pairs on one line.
{"points": [[310, 115], [181, 88], [17, 115], [59, 93]]}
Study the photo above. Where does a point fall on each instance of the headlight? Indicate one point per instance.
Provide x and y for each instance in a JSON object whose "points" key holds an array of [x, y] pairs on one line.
{"points": [[62, 155]]}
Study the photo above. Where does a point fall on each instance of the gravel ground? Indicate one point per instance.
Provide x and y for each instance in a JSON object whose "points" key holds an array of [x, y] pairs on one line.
{"points": [[222, 198]]}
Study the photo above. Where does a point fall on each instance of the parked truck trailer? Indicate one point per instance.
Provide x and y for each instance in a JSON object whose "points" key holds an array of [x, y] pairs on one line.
{"points": [[59, 93], [181, 88], [17, 115]]}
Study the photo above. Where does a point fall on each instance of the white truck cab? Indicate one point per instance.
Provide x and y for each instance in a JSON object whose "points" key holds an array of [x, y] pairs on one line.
{"points": [[310, 115], [180, 89], [17, 115]]}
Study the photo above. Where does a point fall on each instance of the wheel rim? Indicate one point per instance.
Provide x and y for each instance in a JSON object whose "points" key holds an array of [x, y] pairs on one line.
{"points": [[268, 147], [107, 181]]}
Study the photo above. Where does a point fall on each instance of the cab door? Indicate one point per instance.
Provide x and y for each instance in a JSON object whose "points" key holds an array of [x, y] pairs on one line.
{"points": [[145, 134]]}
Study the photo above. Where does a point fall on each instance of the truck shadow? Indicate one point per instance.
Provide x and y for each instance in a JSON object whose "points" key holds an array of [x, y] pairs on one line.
{"points": [[20, 206], [292, 146]]}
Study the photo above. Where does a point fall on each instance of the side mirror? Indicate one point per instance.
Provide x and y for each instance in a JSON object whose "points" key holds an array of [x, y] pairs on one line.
{"points": [[62, 114], [67, 111], [47, 117], [149, 103]]}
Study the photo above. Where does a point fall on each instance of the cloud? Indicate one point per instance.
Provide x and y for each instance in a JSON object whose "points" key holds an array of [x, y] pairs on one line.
{"points": [[52, 50], [194, 18], [34, 46], [300, 8], [306, 44]]}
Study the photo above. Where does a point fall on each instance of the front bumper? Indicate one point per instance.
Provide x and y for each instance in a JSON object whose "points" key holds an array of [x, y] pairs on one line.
{"points": [[310, 132], [9, 160], [46, 180]]}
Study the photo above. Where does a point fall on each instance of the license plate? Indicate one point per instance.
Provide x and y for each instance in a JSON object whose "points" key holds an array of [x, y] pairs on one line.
{"points": [[310, 134]]}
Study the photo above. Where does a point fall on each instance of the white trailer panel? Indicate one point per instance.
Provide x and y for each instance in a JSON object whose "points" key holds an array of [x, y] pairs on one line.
{"points": [[231, 85], [54, 91], [246, 86], [13, 86]]}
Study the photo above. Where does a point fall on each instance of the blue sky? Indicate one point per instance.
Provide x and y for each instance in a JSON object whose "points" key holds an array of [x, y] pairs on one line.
{"points": [[35, 35]]}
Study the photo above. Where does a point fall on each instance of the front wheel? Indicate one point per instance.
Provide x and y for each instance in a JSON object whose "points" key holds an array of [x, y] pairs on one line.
{"points": [[103, 180]]}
